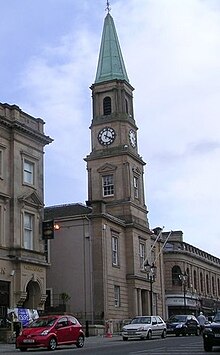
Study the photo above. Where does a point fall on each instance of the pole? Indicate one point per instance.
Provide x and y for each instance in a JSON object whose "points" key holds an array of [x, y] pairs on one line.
{"points": [[151, 295], [184, 296]]}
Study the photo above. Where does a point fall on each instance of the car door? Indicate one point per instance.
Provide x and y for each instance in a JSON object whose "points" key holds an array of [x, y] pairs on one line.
{"points": [[160, 325], [74, 328], [154, 326], [63, 331]]}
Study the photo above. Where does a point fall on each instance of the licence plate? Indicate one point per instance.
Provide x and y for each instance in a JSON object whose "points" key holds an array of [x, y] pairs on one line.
{"points": [[28, 341], [217, 335]]}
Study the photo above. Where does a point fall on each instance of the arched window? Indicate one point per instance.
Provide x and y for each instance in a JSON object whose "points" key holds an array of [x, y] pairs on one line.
{"points": [[218, 283], [207, 284], [107, 106], [201, 282], [195, 279], [188, 277], [126, 105], [176, 272], [213, 285]]}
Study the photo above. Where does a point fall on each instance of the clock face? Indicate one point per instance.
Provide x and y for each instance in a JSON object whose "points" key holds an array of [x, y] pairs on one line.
{"points": [[132, 137], [106, 136]]}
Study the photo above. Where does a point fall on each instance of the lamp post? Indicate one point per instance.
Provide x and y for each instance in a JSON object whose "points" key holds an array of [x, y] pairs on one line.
{"points": [[183, 278], [151, 273]]}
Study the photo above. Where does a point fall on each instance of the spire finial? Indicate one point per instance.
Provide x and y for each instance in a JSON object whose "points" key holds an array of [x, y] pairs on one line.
{"points": [[108, 7]]}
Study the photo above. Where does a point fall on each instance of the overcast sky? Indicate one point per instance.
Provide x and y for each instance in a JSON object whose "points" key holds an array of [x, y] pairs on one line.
{"points": [[171, 48]]}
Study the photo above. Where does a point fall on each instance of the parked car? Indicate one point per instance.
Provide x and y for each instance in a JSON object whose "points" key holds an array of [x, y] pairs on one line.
{"points": [[144, 327], [182, 324], [211, 333], [50, 331]]}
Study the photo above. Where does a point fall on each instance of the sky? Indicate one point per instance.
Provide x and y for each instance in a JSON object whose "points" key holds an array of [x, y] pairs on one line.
{"points": [[171, 48]]}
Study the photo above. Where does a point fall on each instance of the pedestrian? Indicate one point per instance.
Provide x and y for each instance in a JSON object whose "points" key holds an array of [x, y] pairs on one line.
{"points": [[202, 320]]}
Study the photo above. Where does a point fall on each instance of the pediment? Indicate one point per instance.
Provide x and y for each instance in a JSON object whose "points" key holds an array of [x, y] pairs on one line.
{"points": [[107, 168], [137, 171], [32, 200]]}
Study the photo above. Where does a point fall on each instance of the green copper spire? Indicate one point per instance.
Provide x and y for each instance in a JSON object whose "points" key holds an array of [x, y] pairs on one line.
{"points": [[111, 64]]}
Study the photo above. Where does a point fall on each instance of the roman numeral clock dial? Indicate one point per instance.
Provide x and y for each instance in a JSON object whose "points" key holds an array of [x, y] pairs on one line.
{"points": [[106, 136]]}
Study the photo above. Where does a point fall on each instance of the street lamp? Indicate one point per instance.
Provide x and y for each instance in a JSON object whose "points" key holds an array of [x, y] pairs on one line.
{"points": [[151, 273], [183, 278]]}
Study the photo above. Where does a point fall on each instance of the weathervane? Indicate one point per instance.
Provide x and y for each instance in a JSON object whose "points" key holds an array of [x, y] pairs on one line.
{"points": [[108, 7]]}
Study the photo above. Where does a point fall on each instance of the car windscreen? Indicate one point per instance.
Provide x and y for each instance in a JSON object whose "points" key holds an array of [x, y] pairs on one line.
{"points": [[177, 318], [217, 318], [42, 322], [141, 320]]}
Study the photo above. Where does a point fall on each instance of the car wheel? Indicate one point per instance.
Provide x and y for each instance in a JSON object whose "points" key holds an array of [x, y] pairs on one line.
{"points": [[125, 338], [164, 334], [52, 344], [149, 335], [22, 349], [80, 342], [207, 346]]}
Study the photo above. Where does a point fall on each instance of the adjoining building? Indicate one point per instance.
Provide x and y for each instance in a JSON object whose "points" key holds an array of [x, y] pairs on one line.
{"points": [[22, 258], [192, 278]]}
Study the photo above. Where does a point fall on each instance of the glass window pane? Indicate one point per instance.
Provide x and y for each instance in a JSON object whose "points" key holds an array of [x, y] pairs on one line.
{"points": [[28, 172], [28, 231]]}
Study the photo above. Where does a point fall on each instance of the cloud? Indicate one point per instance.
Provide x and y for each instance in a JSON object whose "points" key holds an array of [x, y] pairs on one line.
{"points": [[172, 55]]}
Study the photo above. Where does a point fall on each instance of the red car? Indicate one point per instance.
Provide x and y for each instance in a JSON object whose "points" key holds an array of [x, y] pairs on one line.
{"points": [[50, 331]]}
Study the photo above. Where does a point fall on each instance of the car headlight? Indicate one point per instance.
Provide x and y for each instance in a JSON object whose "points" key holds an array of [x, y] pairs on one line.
{"points": [[140, 328], [207, 330], [179, 326], [45, 332]]}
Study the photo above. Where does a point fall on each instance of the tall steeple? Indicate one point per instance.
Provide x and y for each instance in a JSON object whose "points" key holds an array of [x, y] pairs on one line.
{"points": [[115, 168], [111, 64]]}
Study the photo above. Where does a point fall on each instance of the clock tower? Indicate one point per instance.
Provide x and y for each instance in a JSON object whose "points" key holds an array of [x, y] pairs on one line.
{"points": [[120, 235], [115, 169]]}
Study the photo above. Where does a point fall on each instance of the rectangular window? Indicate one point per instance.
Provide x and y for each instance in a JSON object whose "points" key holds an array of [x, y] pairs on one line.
{"points": [[117, 296], [28, 172], [136, 187], [142, 254], [28, 231], [115, 260], [108, 185], [1, 164]]}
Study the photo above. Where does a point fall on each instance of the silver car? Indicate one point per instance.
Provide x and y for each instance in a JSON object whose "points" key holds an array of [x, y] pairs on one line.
{"points": [[144, 327]]}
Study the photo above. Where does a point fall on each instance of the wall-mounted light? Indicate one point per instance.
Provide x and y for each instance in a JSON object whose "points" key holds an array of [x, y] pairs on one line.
{"points": [[56, 226], [12, 272]]}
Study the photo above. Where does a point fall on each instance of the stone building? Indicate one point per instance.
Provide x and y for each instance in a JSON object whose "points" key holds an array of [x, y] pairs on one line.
{"points": [[192, 278], [113, 228], [22, 259]]}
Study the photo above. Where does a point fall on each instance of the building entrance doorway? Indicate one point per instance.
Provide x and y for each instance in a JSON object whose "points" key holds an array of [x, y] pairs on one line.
{"points": [[33, 295]]}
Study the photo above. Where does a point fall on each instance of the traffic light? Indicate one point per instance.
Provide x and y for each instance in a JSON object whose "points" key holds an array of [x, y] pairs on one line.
{"points": [[48, 230]]}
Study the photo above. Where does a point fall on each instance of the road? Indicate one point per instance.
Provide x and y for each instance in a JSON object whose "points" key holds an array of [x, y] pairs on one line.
{"points": [[189, 345]]}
